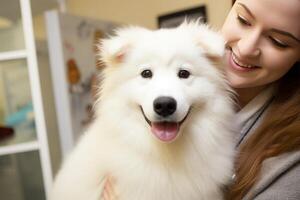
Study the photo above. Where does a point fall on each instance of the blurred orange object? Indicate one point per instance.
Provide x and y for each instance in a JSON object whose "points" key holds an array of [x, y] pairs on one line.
{"points": [[73, 72]]}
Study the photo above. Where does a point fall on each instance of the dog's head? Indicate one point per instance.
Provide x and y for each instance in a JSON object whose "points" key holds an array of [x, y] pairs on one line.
{"points": [[161, 78]]}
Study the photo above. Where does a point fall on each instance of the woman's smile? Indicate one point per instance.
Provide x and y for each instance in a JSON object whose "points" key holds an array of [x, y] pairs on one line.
{"points": [[237, 64]]}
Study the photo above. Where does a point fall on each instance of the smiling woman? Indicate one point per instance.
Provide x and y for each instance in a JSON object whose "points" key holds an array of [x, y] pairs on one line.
{"points": [[262, 48], [263, 54]]}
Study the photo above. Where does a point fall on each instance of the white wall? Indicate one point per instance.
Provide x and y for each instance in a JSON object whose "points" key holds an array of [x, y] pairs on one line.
{"points": [[145, 12]]}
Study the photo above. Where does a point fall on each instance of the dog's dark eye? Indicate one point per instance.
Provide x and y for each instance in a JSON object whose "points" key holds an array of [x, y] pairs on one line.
{"points": [[183, 73], [146, 73]]}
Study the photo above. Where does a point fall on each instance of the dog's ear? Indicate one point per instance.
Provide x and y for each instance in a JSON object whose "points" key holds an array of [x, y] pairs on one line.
{"points": [[213, 52], [210, 41], [114, 50]]}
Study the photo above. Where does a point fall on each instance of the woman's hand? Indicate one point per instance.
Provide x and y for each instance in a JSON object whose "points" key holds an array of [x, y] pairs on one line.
{"points": [[108, 191]]}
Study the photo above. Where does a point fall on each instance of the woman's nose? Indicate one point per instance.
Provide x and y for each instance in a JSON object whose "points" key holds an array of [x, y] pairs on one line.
{"points": [[248, 45]]}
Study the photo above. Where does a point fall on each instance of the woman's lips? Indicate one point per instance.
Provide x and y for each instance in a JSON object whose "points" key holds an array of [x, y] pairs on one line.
{"points": [[234, 64]]}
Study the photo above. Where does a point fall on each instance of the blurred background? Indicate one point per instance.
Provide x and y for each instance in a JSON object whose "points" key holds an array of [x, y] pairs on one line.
{"points": [[48, 68]]}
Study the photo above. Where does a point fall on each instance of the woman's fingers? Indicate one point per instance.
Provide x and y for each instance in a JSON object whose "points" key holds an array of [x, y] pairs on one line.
{"points": [[108, 191]]}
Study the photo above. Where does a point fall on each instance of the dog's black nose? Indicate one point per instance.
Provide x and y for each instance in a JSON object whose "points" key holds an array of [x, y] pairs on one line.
{"points": [[164, 106]]}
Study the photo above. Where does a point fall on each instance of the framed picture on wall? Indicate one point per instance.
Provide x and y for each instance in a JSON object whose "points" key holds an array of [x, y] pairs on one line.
{"points": [[175, 18]]}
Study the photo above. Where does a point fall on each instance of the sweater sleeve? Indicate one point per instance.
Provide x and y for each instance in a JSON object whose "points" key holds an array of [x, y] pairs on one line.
{"points": [[284, 187]]}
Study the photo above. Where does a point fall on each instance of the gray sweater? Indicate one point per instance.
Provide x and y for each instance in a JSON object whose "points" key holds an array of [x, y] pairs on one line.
{"points": [[280, 179], [280, 176]]}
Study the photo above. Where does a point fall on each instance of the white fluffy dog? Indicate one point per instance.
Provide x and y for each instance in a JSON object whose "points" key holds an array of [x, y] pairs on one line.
{"points": [[163, 121]]}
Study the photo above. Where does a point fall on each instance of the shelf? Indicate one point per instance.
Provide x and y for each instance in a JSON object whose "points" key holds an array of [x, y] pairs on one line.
{"points": [[10, 55], [19, 148], [21, 177]]}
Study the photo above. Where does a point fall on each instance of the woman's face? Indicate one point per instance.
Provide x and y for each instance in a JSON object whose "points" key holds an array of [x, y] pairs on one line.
{"points": [[263, 41]]}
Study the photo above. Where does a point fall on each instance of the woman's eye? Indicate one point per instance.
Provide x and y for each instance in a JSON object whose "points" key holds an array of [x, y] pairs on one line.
{"points": [[278, 43], [146, 73], [243, 21], [183, 73]]}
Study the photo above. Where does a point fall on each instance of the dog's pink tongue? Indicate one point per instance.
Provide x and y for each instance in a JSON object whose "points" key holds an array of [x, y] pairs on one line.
{"points": [[165, 131]]}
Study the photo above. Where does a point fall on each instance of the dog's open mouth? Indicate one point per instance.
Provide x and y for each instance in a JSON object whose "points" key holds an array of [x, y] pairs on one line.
{"points": [[165, 131]]}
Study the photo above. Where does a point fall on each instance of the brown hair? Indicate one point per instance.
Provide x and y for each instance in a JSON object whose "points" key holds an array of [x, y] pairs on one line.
{"points": [[279, 133]]}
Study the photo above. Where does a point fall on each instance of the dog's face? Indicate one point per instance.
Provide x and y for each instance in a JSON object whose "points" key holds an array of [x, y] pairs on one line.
{"points": [[163, 76]]}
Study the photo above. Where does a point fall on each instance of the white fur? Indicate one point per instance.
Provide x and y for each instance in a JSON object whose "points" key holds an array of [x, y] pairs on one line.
{"points": [[119, 142]]}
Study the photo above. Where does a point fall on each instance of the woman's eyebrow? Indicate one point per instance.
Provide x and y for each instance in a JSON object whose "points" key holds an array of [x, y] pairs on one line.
{"points": [[272, 30], [247, 10], [285, 33]]}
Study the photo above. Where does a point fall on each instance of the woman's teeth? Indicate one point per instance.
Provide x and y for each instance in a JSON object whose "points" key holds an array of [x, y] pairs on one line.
{"points": [[235, 59]]}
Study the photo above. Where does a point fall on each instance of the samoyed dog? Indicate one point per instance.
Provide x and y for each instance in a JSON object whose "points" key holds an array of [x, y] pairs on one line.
{"points": [[163, 120]]}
